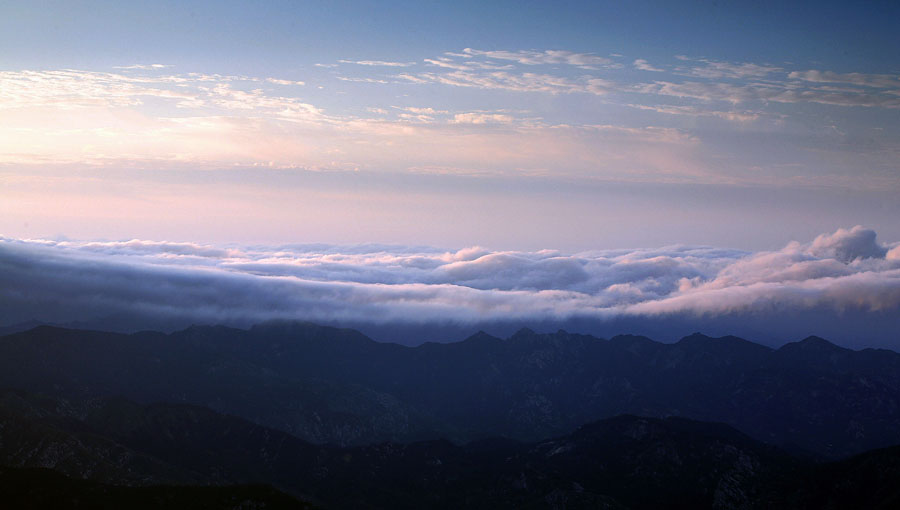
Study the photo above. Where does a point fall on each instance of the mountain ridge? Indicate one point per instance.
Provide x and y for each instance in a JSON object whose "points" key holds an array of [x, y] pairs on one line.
{"points": [[328, 384], [626, 461]]}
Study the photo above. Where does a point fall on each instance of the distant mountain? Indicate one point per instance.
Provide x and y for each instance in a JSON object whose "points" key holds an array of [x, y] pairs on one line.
{"points": [[330, 385], [617, 463]]}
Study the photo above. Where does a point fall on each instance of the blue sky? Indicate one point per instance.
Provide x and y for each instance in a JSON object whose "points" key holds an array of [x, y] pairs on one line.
{"points": [[264, 36], [514, 125]]}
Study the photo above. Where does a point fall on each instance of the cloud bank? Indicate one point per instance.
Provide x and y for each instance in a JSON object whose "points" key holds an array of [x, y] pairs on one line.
{"points": [[845, 272]]}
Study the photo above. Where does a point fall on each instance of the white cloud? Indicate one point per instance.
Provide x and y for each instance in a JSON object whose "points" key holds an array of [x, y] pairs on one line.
{"points": [[284, 82], [421, 110], [865, 80], [893, 253], [482, 118], [546, 57], [643, 65], [732, 115], [361, 80], [715, 69], [848, 245], [71, 89], [151, 117], [780, 93], [377, 63], [466, 65], [144, 67], [502, 80], [847, 270]]}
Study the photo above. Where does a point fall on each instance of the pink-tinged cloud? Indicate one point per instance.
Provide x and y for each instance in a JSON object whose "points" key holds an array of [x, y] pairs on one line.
{"points": [[847, 271]]}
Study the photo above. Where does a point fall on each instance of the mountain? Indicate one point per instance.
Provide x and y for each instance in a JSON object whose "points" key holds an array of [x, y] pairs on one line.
{"points": [[868, 480], [47, 489], [331, 385], [617, 463]]}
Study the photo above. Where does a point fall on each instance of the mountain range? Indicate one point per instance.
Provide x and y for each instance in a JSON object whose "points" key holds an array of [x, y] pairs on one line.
{"points": [[104, 451], [330, 416], [330, 385]]}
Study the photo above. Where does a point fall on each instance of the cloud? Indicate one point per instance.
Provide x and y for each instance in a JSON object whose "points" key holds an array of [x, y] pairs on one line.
{"points": [[144, 67], [864, 80], [79, 90], [482, 118], [361, 80], [284, 82], [734, 116], [377, 63], [848, 245], [70, 89], [893, 253], [213, 121], [502, 80], [744, 81], [156, 117], [762, 92], [546, 57], [643, 65], [837, 272], [715, 69], [69, 280], [421, 110], [467, 65]]}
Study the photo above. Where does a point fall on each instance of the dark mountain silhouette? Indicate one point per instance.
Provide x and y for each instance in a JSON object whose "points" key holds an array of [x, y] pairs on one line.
{"points": [[621, 462], [330, 385], [47, 489]]}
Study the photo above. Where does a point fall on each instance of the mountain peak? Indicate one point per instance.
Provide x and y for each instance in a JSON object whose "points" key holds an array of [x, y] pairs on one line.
{"points": [[523, 332], [481, 336], [817, 341], [730, 340], [813, 344], [696, 337]]}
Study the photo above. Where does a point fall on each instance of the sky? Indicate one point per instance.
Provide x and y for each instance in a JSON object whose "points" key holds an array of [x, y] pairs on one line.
{"points": [[515, 128]]}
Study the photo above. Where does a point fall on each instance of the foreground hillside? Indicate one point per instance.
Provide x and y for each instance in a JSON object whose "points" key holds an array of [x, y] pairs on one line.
{"points": [[327, 385], [50, 490], [127, 452], [622, 462]]}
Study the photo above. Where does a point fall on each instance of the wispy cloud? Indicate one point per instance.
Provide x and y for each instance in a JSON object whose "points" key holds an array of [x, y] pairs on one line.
{"points": [[482, 118], [141, 116], [643, 65], [692, 111], [717, 69], [524, 82], [377, 63], [774, 92], [277, 81], [212, 120], [71, 89], [465, 65], [886, 81], [145, 67], [361, 80], [710, 80], [546, 57]]}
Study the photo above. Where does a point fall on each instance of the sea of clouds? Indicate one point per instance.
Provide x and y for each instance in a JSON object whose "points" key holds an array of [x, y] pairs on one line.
{"points": [[848, 273]]}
